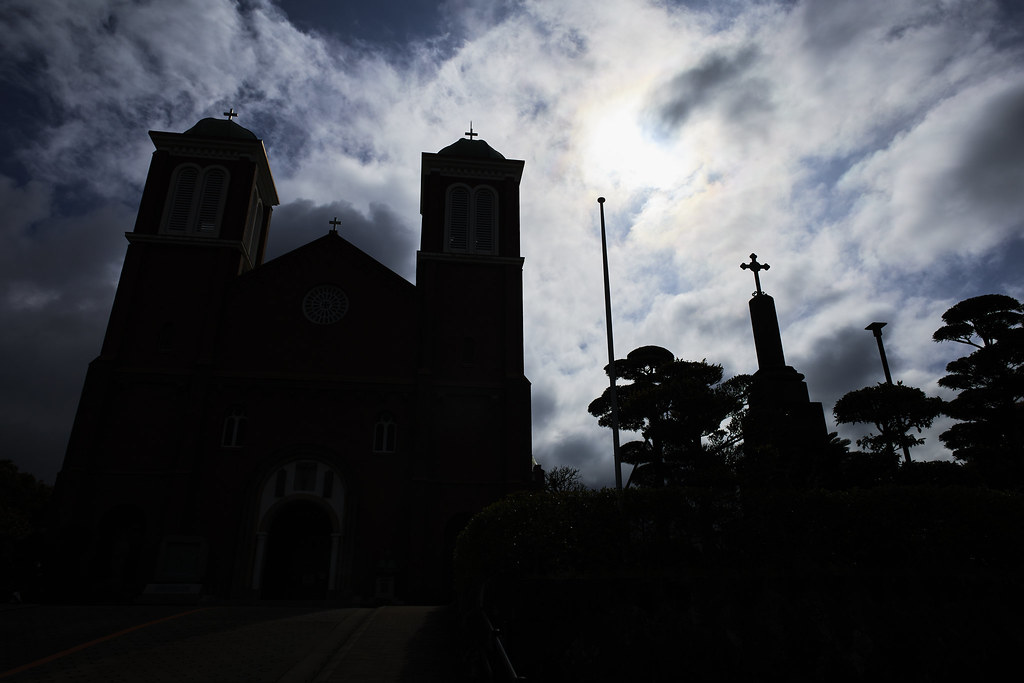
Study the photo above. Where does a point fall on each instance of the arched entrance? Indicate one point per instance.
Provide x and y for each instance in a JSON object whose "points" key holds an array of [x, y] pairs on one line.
{"points": [[298, 554], [297, 546]]}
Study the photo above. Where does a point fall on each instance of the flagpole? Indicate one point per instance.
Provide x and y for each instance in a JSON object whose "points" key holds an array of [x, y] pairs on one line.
{"points": [[611, 354]]}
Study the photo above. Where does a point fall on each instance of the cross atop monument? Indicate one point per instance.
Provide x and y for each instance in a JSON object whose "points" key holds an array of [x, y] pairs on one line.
{"points": [[469, 133], [231, 113], [334, 225], [756, 267]]}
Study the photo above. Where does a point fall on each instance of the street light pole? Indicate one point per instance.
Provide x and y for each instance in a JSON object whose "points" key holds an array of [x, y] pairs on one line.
{"points": [[876, 329], [611, 354]]}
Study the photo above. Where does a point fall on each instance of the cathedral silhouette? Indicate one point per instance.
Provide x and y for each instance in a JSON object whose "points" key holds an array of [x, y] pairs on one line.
{"points": [[312, 427]]}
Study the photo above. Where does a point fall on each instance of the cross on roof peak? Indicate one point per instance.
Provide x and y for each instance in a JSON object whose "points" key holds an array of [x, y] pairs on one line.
{"points": [[231, 113], [756, 267], [469, 133], [334, 225]]}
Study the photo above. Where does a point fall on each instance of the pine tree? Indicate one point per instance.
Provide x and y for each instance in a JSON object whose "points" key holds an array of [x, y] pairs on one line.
{"points": [[679, 408], [989, 384], [894, 409]]}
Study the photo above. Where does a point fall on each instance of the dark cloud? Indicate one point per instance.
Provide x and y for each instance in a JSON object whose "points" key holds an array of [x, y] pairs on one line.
{"points": [[544, 408], [57, 280], [830, 26], [722, 81], [23, 109], [586, 455], [1001, 274], [1009, 28], [39, 392], [844, 361], [96, 69], [475, 15], [382, 234], [991, 172], [386, 22]]}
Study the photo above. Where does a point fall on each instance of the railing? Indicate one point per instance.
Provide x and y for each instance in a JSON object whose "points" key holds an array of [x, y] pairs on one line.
{"points": [[495, 650], [491, 655]]}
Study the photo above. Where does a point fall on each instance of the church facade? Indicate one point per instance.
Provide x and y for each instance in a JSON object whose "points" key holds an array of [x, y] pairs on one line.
{"points": [[309, 427]]}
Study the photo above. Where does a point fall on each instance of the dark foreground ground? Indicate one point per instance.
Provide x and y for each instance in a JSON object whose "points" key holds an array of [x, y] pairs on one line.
{"points": [[287, 643]]}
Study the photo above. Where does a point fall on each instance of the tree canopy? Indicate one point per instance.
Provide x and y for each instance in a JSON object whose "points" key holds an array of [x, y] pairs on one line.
{"points": [[562, 479], [989, 383], [678, 407], [894, 410], [985, 319], [22, 502]]}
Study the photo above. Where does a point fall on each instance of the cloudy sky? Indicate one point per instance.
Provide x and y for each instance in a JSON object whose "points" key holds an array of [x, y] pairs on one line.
{"points": [[871, 152]]}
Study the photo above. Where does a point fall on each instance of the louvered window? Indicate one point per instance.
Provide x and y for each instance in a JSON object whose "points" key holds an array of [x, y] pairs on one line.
{"points": [[184, 195], [458, 219], [210, 201], [483, 233], [197, 200], [471, 220]]}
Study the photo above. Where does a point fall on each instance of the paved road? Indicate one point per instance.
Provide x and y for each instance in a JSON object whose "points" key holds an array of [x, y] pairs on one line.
{"points": [[272, 643]]}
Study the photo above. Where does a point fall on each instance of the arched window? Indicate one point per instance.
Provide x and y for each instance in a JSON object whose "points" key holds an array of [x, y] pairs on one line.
{"points": [[471, 220], [196, 201], [385, 434], [233, 433]]}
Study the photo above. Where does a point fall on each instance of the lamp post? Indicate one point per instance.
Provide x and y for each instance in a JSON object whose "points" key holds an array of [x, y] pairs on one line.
{"points": [[876, 329], [611, 354]]}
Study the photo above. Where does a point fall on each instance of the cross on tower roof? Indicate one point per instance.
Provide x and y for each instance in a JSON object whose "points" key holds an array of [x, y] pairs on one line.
{"points": [[335, 223], [756, 267], [231, 113], [469, 133]]}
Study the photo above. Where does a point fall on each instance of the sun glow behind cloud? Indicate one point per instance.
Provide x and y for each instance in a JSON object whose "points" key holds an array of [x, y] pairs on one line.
{"points": [[617, 148]]}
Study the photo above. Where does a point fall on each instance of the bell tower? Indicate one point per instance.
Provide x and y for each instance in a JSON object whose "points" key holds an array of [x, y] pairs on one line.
{"points": [[202, 221], [209, 186], [469, 268], [473, 399], [469, 275]]}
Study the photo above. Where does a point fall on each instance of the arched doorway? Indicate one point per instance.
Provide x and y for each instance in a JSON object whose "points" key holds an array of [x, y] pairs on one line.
{"points": [[298, 554]]}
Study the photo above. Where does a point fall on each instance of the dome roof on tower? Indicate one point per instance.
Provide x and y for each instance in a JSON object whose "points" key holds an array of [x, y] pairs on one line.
{"points": [[470, 148], [220, 128]]}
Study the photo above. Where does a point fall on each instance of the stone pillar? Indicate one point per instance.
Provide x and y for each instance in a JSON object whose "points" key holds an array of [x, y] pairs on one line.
{"points": [[767, 338]]}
